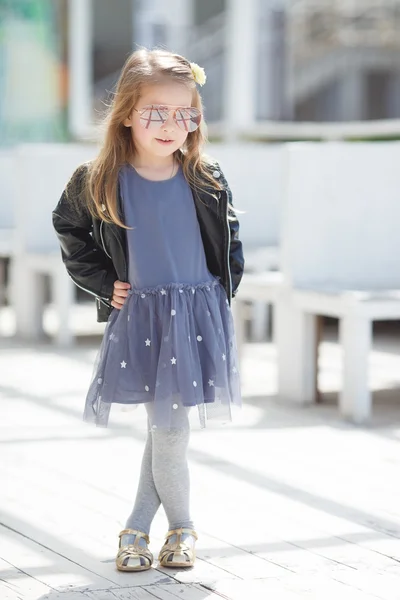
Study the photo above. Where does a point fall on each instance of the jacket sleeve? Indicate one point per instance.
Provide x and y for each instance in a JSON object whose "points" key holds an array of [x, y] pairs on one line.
{"points": [[86, 263], [236, 258]]}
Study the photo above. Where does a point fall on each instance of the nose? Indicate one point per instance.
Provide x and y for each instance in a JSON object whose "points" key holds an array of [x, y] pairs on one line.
{"points": [[169, 124]]}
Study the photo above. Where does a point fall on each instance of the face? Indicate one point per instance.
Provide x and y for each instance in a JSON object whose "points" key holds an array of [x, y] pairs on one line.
{"points": [[170, 95]]}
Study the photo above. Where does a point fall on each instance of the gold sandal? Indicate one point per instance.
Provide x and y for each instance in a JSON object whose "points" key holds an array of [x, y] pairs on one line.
{"points": [[181, 553], [133, 553]]}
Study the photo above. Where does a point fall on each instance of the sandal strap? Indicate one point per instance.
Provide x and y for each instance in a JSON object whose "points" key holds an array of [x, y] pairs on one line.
{"points": [[180, 531], [127, 552], [139, 534]]}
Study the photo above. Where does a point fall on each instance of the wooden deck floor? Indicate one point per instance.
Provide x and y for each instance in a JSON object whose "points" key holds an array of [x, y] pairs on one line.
{"points": [[288, 502]]}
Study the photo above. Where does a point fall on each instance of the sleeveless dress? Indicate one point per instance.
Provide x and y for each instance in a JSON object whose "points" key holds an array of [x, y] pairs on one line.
{"points": [[173, 342]]}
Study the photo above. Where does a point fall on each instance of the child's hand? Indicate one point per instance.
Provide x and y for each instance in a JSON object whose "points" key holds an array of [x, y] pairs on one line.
{"points": [[120, 293]]}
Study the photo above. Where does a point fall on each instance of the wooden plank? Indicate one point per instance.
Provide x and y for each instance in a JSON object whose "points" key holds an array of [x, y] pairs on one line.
{"points": [[257, 590], [171, 591], [235, 560], [202, 572], [49, 567], [383, 585], [17, 585], [290, 587], [161, 592], [131, 593]]}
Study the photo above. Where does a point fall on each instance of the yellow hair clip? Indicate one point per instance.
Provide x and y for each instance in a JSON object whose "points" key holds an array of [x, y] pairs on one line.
{"points": [[198, 73]]}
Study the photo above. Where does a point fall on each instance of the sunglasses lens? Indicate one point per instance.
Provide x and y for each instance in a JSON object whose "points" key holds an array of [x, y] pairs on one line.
{"points": [[188, 119], [152, 117]]}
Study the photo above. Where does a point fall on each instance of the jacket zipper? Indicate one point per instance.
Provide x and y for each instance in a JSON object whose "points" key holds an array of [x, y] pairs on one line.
{"points": [[119, 243], [121, 215], [102, 239], [124, 255], [227, 251]]}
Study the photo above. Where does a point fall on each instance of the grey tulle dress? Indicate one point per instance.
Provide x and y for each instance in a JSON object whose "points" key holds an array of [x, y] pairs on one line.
{"points": [[173, 342]]}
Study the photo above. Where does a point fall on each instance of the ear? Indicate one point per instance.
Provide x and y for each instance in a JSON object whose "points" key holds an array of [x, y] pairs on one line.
{"points": [[128, 121]]}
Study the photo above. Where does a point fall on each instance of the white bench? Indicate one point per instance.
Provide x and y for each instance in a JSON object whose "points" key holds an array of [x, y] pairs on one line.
{"points": [[340, 257], [255, 173], [43, 170], [262, 288]]}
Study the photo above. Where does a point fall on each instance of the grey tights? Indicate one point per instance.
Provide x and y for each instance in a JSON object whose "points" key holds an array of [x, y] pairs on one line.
{"points": [[164, 476]]}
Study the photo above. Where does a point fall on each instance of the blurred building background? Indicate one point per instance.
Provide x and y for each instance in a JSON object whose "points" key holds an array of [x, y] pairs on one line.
{"points": [[266, 60]]}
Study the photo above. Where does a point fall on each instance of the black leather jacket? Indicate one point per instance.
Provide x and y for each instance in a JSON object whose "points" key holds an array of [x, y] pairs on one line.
{"points": [[95, 253]]}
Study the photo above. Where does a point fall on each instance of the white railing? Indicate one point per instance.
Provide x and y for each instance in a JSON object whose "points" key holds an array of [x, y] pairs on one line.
{"points": [[280, 131]]}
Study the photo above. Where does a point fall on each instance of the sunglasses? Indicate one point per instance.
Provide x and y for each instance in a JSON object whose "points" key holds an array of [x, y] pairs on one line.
{"points": [[155, 116]]}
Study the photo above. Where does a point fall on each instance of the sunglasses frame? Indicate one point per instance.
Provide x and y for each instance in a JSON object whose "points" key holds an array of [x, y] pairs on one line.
{"points": [[168, 110]]}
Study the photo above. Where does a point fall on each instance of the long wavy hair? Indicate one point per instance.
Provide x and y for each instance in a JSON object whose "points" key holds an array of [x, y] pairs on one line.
{"points": [[143, 67]]}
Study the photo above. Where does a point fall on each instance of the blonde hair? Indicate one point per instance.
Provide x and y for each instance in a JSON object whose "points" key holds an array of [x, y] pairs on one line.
{"points": [[143, 67]]}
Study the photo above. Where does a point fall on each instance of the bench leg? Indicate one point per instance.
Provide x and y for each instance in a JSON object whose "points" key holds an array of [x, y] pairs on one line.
{"points": [[3, 293], [296, 339], [356, 340], [239, 311], [63, 291], [27, 299], [259, 321]]}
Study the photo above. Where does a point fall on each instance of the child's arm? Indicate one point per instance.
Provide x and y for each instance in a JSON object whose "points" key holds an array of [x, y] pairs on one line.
{"points": [[87, 264], [236, 258]]}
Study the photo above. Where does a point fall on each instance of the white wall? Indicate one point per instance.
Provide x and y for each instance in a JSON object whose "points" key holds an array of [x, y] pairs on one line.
{"points": [[45, 169], [341, 215], [255, 173]]}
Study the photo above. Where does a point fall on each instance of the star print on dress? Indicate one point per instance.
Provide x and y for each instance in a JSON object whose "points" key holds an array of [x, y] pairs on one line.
{"points": [[147, 342], [123, 365], [163, 292], [173, 312], [173, 360], [223, 357], [210, 382], [234, 370]]}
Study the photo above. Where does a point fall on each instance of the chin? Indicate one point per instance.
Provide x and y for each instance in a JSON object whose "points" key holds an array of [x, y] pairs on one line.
{"points": [[166, 151]]}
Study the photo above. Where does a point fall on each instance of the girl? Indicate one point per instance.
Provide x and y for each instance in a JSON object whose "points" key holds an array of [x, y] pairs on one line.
{"points": [[149, 229]]}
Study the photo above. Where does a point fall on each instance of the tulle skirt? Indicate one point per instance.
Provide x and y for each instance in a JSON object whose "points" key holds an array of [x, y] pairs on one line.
{"points": [[172, 345]]}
